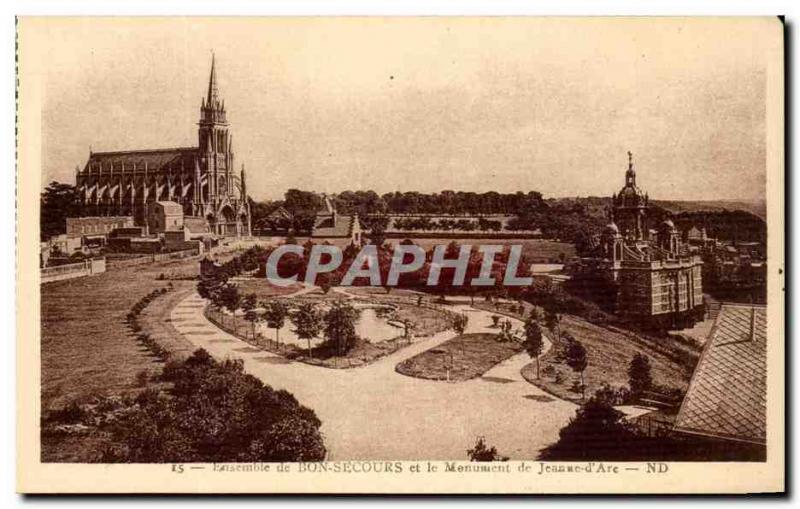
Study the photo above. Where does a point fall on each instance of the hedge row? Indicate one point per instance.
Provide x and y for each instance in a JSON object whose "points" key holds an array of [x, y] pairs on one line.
{"points": [[133, 322]]}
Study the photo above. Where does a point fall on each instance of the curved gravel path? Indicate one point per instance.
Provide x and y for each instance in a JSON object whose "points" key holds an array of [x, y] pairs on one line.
{"points": [[374, 413]]}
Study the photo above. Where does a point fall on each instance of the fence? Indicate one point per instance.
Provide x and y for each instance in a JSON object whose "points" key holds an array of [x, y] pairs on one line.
{"points": [[73, 270], [153, 258]]}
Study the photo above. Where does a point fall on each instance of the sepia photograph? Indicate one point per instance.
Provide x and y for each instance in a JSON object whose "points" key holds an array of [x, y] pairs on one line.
{"points": [[464, 254]]}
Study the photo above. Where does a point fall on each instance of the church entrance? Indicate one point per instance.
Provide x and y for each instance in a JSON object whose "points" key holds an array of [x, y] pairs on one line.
{"points": [[227, 225]]}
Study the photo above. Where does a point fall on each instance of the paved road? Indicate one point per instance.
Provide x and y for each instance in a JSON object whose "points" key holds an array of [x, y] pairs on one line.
{"points": [[374, 413]]}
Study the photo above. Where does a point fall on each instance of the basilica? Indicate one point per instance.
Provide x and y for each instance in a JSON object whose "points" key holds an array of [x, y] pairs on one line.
{"points": [[202, 180], [656, 279]]}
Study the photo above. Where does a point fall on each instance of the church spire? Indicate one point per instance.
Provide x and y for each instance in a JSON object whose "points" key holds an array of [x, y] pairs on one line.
{"points": [[213, 92]]}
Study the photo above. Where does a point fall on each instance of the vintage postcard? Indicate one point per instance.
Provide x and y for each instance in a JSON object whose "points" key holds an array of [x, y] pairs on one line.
{"points": [[509, 255]]}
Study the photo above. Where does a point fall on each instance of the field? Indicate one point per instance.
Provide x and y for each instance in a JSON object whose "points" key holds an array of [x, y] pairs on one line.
{"points": [[534, 250], [87, 347], [467, 356]]}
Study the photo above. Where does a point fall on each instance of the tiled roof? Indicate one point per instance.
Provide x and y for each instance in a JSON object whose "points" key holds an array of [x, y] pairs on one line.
{"points": [[279, 213], [324, 226], [155, 159], [727, 397]]}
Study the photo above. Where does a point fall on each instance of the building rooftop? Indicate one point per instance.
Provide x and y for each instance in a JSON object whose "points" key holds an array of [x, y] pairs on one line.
{"points": [[336, 225], [727, 397], [171, 207], [154, 160]]}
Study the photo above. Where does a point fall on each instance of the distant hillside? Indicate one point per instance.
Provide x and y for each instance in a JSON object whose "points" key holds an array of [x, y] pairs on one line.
{"points": [[723, 219], [596, 205], [758, 208]]}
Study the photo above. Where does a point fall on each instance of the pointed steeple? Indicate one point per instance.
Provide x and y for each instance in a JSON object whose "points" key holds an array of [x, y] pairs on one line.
{"points": [[213, 92]]}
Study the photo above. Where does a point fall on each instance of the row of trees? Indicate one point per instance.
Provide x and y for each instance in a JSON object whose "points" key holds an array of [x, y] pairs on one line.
{"points": [[425, 223], [571, 351], [337, 323]]}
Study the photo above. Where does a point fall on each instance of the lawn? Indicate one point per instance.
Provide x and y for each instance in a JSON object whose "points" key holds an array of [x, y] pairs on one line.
{"points": [[263, 288], [609, 350], [467, 356], [87, 348], [609, 353]]}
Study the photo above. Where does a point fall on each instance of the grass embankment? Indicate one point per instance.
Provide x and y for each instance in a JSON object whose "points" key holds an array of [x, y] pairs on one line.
{"points": [[467, 356], [90, 352], [87, 347], [609, 352]]}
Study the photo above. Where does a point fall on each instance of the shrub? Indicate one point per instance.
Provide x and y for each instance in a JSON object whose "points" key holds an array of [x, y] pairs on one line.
{"points": [[597, 432], [613, 395], [71, 413], [639, 377], [215, 413], [481, 452]]}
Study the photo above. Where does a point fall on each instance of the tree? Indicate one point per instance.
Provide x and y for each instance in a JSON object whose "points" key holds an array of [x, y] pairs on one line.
{"points": [[459, 323], [377, 233], [533, 341], [209, 286], [230, 299], [58, 202], [577, 360], [276, 312], [324, 281], [481, 452], [552, 321], [639, 376], [308, 323], [340, 326], [248, 305]]}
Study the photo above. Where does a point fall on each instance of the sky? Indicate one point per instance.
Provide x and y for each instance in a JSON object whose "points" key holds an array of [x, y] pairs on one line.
{"points": [[424, 104]]}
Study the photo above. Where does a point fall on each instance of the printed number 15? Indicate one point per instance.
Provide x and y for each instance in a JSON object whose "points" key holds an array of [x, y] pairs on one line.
{"points": [[177, 468]]}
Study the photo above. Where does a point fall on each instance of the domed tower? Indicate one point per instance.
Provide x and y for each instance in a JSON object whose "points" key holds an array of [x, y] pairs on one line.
{"points": [[611, 243], [630, 207], [668, 237]]}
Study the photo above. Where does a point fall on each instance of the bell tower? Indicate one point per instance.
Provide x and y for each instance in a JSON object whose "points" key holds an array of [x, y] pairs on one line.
{"points": [[630, 207], [214, 142]]}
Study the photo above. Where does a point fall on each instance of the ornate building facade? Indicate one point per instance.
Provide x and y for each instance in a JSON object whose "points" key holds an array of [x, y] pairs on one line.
{"points": [[657, 279], [202, 179]]}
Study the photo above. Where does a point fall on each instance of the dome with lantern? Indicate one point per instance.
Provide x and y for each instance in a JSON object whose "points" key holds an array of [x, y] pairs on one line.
{"points": [[630, 196]]}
